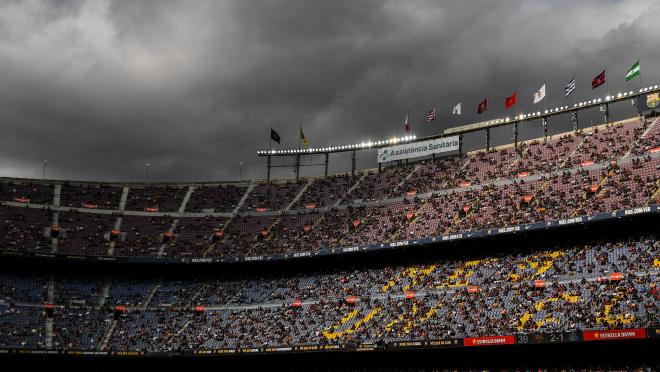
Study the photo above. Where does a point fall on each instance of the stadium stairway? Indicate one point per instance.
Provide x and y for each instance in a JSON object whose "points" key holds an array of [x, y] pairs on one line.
{"points": [[576, 150], [163, 246], [107, 335], [175, 222], [184, 202], [405, 179], [240, 203], [111, 246], [124, 196], [145, 304], [50, 298], [104, 291], [56, 219], [350, 190], [197, 293], [233, 215], [643, 136], [57, 192], [300, 193]]}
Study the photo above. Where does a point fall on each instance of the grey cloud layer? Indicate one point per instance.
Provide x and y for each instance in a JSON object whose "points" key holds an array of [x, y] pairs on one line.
{"points": [[94, 82]]}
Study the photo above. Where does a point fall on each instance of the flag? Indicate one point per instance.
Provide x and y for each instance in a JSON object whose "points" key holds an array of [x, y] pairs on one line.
{"points": [[510, 101], [457, 109], [406, 125], [274, 136], [430, 115], [538, 96], [570, 87], [633, 71], [303, 138], [483, 106], [598, 80]]}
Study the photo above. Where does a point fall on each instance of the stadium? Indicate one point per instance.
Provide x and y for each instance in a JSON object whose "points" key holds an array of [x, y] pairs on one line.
{"points": [[458, 248]]}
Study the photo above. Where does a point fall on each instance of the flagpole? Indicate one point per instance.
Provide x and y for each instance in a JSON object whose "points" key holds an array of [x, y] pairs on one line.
{"points": [[639, 63], [639, 66], [575, 86], [607, 82], [270, 136], [408, 129]]}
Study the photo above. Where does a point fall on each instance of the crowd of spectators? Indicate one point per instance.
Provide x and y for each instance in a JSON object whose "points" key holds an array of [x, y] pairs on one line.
{"points": [[215, 198], [25, 229], [90, 196], [325, 192], [463, 197], [27, 192], [84, 233], [155, 198], [439, 298], [272, 196]]}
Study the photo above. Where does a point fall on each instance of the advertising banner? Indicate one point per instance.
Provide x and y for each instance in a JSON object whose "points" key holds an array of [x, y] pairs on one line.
{"points": [[614, 334], [489, 340], [418, 149]]}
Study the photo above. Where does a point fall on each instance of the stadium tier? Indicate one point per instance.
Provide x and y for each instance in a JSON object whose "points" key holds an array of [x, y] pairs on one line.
{"points": [[598, 287], [571, 177], [578, 289]]}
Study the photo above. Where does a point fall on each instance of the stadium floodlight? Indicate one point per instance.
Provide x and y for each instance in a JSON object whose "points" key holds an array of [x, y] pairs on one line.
{"points": [[631, 92]]}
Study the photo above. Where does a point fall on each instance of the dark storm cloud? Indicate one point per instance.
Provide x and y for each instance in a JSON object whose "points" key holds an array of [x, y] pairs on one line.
{"points": [[87, 83]]}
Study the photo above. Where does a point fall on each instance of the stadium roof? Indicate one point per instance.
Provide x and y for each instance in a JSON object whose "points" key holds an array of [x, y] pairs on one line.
{"points": [[484, 125]]}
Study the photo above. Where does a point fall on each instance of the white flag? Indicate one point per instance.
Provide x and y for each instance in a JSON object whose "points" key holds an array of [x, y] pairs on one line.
{"points": [[538, 96], [457, 109]]}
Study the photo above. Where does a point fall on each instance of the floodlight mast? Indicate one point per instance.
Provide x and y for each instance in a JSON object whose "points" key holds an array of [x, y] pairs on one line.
{"points": [[486, 126]]}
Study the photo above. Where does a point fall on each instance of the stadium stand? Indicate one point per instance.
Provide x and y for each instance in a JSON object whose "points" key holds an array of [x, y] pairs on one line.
{"points": [[215, 198], [90, 196], [437, 299], [597, 170], [592, 284], [272, 196], [155, 198], [26, 192], [25, 228]]}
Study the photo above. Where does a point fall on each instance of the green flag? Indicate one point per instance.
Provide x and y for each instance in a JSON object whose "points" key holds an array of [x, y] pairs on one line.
{"points": [[633, 71]]}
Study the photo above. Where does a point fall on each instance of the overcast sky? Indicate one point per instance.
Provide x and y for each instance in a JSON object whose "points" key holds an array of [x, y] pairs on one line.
{"points": [[99, 88]]}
